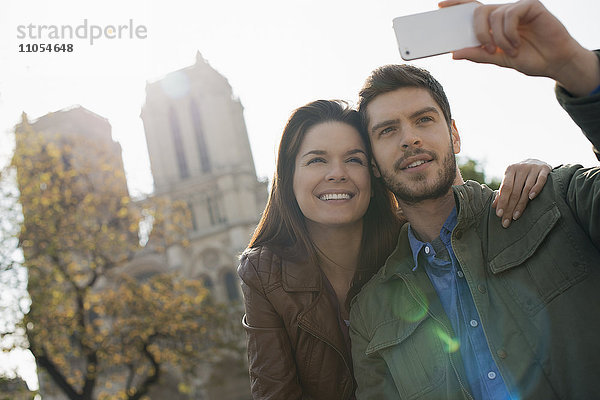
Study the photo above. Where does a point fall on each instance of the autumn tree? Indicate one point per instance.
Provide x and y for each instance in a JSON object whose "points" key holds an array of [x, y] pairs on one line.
{"points": [[96, 331], [472, 169]]}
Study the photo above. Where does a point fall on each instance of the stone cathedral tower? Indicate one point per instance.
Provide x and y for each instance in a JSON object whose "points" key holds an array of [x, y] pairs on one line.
{"points": [[200, 153]]}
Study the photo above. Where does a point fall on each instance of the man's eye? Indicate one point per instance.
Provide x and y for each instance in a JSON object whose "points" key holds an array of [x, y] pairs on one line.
{"points": [[425, 119], [386, 131]]}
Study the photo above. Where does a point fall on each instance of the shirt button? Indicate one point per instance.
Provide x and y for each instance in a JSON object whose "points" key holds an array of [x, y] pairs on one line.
{"points": [[481, 288], [426, 249], [492, 375], [460, 274], [502, 353], [474, 323]]}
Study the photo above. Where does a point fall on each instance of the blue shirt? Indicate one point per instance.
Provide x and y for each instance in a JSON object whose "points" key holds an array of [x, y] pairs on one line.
{"points": [[448, 280]]}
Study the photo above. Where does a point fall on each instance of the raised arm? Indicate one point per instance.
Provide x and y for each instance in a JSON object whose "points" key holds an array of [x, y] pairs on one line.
{"points": [[526, 37]]}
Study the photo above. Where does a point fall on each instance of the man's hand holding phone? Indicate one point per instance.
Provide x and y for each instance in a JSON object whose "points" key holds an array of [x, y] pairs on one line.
{"points": [[525, 36]]}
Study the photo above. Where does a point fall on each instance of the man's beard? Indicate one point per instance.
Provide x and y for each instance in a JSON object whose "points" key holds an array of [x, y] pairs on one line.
{"points": [[417, 189]]}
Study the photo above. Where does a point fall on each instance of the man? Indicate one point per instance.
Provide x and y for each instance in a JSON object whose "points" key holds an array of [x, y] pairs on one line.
{"points": [[464, 308]]}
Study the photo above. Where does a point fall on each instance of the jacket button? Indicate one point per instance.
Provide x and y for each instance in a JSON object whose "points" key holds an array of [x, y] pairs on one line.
{"points": [[502, 353], [481, 288], [458, 234]]}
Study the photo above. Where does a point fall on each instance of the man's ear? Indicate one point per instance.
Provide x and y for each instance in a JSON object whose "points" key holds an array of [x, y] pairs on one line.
{"points": [[455, 137], [375, 169]]}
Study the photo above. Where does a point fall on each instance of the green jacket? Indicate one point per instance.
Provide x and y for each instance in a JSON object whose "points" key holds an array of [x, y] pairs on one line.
{"points": [[536, 286]]}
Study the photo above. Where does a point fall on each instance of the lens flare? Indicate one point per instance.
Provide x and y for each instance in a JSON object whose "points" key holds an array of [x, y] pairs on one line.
{"points": [[452, 344]]}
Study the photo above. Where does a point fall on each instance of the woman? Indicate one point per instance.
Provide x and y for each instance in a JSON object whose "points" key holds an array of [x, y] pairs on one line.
{"points": [[327, 227]]}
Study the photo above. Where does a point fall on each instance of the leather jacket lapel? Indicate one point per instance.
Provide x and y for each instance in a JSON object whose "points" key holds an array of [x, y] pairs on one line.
{"points": [[300, 277], [319, 317]]}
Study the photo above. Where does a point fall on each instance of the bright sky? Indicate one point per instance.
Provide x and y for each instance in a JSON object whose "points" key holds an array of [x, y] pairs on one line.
{"points": [[277, 55]]}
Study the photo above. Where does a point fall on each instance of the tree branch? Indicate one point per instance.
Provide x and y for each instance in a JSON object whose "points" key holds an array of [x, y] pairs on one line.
{"points": [[57, 377], [150, 379]]}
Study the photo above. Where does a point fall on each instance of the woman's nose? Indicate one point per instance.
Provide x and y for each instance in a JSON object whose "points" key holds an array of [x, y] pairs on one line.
{"points": [[337, 173]]}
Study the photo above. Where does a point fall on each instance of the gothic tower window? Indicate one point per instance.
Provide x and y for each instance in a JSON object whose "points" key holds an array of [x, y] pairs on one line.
{"points": [[192, 216], [214, 210], [200, 141], [178, 142], [208, 283]]}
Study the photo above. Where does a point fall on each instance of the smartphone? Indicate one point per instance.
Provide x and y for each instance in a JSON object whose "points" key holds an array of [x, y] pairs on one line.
{"points": [[436, 32]]}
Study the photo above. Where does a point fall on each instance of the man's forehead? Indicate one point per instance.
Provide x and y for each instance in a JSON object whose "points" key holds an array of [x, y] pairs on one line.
{"points": [[403, 101]]}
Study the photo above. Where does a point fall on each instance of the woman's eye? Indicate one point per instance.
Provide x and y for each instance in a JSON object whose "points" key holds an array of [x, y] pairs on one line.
{"points": [[357, 160], [315, 160]]}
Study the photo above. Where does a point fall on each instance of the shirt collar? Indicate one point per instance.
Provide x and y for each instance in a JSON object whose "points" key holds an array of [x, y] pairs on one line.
{"points": [[445, 233]]}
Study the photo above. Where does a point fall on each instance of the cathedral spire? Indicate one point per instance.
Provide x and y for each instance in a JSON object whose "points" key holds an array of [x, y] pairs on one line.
{"points": [[199, 58]]}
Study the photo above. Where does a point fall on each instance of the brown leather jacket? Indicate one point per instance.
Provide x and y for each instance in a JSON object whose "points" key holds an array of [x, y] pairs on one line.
{"points": [[296, 348]]}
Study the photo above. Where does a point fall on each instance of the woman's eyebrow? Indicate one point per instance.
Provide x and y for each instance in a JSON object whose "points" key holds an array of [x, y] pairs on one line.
{"points": [[315, 152], [355, 151]]}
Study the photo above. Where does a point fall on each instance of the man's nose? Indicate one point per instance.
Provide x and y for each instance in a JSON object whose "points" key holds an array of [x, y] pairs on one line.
{"points": [[410, 139]]}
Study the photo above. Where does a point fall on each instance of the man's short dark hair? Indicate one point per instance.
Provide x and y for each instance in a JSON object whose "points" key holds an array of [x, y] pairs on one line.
{"points": [[395, 76]]}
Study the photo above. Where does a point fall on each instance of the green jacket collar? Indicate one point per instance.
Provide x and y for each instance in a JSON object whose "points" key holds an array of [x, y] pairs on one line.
{"points": [[471, 199]]}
